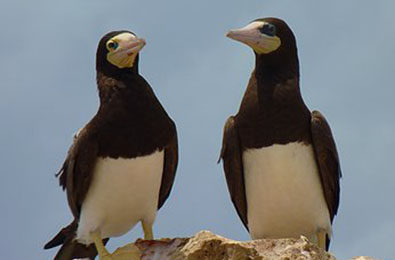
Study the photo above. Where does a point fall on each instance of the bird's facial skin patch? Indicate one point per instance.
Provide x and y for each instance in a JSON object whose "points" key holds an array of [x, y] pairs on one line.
{"points": [[123, 49], [259, 35]]}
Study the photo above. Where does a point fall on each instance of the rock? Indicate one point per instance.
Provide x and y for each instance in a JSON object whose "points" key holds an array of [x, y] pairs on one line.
{"points": [[206, 245], [362, 258]]}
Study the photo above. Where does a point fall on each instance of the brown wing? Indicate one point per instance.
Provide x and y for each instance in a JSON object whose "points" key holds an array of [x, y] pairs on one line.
{"points": [[327, 159], [76, 173], [233, 167], [169, 169]]}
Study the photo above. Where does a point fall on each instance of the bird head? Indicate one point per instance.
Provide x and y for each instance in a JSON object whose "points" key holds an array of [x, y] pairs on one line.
{"points": [[118, 51], [274, 45], [265, 36]]}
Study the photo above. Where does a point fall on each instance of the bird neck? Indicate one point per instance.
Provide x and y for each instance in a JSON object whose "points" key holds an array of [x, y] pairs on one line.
{"points": [[117, 73], [272, 110], [127, 92], [131, 117], [277, 79], [110, 70]]}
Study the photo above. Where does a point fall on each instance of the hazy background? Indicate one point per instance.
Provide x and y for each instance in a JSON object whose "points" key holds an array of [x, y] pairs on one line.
{"points": [[48, 91]]}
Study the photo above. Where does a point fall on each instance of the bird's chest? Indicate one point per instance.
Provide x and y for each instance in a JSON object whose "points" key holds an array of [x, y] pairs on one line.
{"points": [[283, 190], [122, 192]]}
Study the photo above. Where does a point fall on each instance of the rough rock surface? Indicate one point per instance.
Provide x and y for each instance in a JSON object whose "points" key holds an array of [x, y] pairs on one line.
{"points": [[362, 258], [206, 245]]}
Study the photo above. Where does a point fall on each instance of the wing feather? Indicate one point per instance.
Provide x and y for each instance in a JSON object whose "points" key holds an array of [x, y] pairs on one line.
{"points": [[76, 173], [231, 155], [169, 169], [327, 160]]}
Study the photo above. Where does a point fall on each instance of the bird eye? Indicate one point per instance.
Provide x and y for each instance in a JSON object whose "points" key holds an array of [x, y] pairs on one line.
{"points": [[268, 29], [112, 45]]}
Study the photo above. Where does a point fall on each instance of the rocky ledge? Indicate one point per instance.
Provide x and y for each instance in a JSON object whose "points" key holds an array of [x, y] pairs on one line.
{"points": [[206, 245]]}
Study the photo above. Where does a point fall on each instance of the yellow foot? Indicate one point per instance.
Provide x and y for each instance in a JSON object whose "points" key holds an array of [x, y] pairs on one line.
{"points": [[127, 252], [147, 228], [321, 235]]}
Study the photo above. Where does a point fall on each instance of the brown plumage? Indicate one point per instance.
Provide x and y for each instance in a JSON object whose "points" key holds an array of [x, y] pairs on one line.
{"points": [[130, 123], [273, 112]]}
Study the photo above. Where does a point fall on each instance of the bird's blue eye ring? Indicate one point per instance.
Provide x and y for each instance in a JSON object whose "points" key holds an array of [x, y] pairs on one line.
{"points": [[112, 45]]}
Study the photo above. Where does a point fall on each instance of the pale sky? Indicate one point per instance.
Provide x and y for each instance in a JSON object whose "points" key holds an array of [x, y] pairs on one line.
{"points": [[48, 91]]}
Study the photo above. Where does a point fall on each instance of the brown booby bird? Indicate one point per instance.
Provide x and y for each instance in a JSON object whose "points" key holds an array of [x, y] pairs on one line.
{"points": [[280, 160], [122, 164]]}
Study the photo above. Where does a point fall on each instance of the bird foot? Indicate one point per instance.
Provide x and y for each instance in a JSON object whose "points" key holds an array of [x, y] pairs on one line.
{"points": [[127, 252]]}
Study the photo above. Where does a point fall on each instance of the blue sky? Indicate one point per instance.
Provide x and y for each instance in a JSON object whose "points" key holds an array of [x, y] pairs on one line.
{"points": [[48, 91]]}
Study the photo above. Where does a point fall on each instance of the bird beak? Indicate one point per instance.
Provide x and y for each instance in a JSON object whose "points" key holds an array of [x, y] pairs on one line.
{"points": [[247, 35], [251, 36], [134, 46]]}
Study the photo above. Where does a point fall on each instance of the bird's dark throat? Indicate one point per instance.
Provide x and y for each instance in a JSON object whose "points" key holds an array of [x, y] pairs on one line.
{"points": [[278, 115], [275, 70]]}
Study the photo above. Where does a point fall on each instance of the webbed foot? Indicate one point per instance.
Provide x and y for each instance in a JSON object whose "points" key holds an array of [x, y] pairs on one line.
{"points": [[127, 252]]}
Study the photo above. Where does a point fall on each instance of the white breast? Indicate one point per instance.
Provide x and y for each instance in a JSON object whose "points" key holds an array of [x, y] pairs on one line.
{"points": [[122, 192], [284, 193]]}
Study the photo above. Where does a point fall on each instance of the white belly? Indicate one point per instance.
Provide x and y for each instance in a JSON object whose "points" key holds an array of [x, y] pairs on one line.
{"points": [[284, 193], [122, 192]]}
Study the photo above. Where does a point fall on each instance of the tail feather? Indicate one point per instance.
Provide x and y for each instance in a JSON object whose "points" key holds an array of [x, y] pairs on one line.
{"points": [[328, 241], [71, 249], [61, 237]]}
